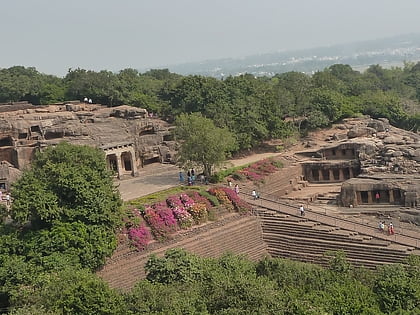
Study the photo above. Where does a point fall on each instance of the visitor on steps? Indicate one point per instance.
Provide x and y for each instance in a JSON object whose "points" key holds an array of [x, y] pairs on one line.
{"points": [[237, 189], [382, 226], [254, 194], [302, 210], [391, 229], [377, 197]]}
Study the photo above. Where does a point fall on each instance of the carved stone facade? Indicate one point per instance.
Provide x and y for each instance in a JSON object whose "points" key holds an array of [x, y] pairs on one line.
{"points": [[376, 162], [128, 136]]}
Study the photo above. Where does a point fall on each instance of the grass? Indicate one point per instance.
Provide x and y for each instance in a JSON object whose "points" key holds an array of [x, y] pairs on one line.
{"points": [[159, 195]]}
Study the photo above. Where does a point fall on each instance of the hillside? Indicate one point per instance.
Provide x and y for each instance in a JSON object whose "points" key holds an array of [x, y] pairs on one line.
{"points": [[387, 52]]}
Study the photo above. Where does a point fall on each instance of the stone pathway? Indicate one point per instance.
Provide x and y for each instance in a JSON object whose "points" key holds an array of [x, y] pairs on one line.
{"points": [[156, 177]]}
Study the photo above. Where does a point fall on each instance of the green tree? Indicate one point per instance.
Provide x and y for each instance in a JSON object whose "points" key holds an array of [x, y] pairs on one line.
{"points": [[397, 288], [70, 291], [201, 142], [67, 183], [68, 204]]}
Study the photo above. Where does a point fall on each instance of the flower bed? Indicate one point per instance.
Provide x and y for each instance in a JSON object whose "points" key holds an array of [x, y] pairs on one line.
{"points": [[259, 170], [239, 205], [161, 219], [222, 197]]}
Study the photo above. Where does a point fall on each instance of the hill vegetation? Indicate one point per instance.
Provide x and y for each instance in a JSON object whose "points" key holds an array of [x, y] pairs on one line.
{"points": [[252, 109]]}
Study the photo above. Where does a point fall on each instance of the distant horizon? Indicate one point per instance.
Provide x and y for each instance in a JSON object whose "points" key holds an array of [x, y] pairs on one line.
{"points": [[54, 36], [168, 66]]}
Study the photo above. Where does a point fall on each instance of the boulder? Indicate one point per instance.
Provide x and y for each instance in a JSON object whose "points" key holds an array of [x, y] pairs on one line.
{"points": [[393, 140], [360, 132], [377, 125]]}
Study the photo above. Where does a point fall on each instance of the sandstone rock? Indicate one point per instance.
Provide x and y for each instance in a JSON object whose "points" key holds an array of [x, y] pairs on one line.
{"points": [[360, 132], [339, 136], [377, 125], [393, 140]]}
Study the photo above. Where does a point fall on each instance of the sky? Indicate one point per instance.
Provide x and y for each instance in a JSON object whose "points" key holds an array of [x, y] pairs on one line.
{"points": [[56, 35]]}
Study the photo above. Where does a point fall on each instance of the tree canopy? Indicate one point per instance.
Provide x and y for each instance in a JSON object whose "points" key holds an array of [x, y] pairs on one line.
{"points": [[201, 142]]}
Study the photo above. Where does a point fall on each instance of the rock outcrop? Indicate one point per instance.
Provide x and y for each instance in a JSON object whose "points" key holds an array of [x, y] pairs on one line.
{"points": [[130, 136]]}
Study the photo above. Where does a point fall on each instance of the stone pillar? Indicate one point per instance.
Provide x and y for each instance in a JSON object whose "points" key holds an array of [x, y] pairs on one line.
{"points": [[340, 174], [371, 197], [321, 176], [351, 174], [391, 196], [119, 164], [331, 175], [358, 199]]}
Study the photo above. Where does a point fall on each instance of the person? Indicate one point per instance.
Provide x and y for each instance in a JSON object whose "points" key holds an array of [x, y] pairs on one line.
{"points": [[188, 173], [85, 100], [254, 194], [237, 189], [302, 210], [7, 199], [90, 101], [229, 182], [391, 229], [377, 196], [382, 226], [190, 182], [192, 172], [181, 177], [1, 195]]}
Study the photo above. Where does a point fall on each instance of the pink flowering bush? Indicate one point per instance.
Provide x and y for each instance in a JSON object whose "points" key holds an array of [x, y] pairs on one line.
{"points": [[139, 236], [166, 214], [185, 219], [239, 204], [174, 201], [186, 200], [258, 170], [159, 229]]}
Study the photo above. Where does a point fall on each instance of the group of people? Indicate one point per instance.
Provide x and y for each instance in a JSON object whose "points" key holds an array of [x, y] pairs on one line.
{"points": [[87, 100], [191, 178], [389, 229]]}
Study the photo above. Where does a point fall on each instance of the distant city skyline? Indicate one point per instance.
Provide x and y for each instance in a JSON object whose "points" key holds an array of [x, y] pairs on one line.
{"points": [[54, 36]]}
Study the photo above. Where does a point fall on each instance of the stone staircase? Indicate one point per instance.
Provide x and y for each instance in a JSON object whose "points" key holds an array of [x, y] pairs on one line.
{"points": [[297, 238], [241, 235]]}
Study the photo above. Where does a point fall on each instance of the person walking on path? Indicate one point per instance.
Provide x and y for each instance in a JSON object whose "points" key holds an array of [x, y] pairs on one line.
{"points": [[237, 189], [377, 197], [391, 229], [181, 177], [302, 210], [382, 226], [254, 194]]}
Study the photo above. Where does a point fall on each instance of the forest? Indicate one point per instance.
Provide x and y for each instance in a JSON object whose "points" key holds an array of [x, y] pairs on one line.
{"points": [[254, 109]]}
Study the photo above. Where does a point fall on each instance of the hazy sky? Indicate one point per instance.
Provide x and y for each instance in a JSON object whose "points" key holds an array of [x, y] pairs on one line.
{"points": [[55, 35]]}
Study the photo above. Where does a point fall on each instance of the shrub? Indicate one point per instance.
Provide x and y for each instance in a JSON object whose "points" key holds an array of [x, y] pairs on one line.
{"points": [[185, 220], [187, 201], [260, 169], [213, 200], [195, 195], [156, 223], [239, 205], [199, 212], [222, 197], [139, 236]]}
